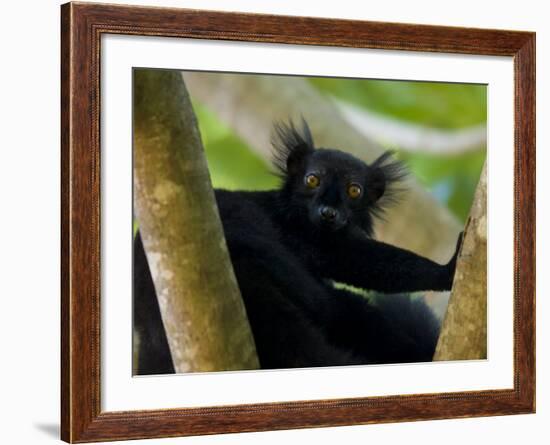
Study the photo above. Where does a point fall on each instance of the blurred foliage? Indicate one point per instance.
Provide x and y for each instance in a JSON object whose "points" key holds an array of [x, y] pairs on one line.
{"points": [[433, 104], [451, 179], [232, 165]]}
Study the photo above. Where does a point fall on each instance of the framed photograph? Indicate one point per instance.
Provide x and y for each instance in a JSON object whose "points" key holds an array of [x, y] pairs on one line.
{"points": [[274, 222]]}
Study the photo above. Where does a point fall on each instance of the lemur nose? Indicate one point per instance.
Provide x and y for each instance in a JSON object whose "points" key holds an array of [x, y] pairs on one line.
{"points": [[328, 213]]}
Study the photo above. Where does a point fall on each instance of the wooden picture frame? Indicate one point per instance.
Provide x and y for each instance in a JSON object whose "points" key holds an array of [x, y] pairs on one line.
{"points": [[82, 26]]}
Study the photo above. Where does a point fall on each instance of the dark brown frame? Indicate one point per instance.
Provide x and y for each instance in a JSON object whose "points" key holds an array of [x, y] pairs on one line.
{"points": [[81, 28]]}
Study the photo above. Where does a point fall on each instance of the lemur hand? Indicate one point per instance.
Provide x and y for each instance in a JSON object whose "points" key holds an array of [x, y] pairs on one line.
{"points": [[451, 265]]}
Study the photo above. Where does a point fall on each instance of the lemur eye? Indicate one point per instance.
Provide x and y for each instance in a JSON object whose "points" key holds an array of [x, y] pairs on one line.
{"points": [[354, 191], [312, 181]]}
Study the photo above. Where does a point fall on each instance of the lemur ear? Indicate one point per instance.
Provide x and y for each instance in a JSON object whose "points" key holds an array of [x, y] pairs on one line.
{"points": [[291, 146], [385, 173], [376, 186]]}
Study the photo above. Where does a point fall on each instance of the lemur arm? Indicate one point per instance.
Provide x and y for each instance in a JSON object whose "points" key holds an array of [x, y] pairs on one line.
{"points": [[371, 264]]}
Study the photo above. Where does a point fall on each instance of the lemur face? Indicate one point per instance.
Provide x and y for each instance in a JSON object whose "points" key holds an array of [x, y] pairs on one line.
{"points": [[333, 190], [334, 185]]}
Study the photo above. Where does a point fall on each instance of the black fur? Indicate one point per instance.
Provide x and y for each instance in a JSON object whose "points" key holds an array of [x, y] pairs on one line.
{"points": [[289, 246]]}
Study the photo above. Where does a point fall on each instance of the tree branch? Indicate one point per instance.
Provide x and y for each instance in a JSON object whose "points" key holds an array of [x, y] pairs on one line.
{"points": [[414, 137], [464, 331], [202, 310]]}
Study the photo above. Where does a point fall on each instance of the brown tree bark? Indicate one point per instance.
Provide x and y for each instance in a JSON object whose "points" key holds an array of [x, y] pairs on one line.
{"points": [[464, 331], [202, 309]]}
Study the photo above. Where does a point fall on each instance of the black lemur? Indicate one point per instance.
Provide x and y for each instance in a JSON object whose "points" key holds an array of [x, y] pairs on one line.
{"points": [[288, 248]]}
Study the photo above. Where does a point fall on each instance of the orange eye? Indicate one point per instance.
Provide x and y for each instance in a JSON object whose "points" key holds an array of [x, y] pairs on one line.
{"points": [[312, 181], [354, 191]]}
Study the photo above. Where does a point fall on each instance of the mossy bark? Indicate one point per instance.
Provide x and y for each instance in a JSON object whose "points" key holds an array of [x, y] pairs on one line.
{"points": [[464, 331], [201, 306]]}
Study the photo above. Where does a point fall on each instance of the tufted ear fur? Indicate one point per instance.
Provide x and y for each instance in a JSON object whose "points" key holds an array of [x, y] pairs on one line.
{"points": [[385, 176], [291, 146]]}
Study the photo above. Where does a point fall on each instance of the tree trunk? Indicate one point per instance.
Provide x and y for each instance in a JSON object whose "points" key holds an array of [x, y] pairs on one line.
{"points": [[250, 103], [464, 332], [202, 309]]}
